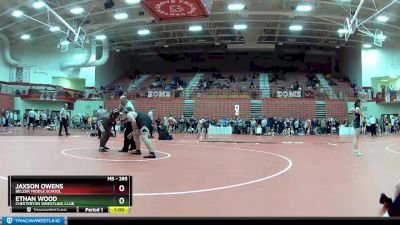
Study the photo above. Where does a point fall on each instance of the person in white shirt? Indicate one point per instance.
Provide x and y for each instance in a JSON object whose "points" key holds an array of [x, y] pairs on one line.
{"points": [[44, 119], [31, 118], [100, 115], [171, 124], [11, 120], [7, 117], [63, 120]]}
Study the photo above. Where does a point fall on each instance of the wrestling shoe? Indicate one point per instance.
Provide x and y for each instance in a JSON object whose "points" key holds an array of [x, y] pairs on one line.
{"points": [[358, 153], [384, 200], [102, 149], [106, 148], [137, 152], [151, 155]]}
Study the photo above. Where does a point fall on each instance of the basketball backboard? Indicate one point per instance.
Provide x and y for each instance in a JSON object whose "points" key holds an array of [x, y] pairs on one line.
{"points": [[77, 38], [379, 37]]}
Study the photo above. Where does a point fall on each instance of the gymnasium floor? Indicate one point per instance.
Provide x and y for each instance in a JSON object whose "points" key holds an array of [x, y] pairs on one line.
{"points": [[249, 176]]}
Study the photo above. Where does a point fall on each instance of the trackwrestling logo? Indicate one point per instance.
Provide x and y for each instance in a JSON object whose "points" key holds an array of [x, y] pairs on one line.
{"points": [[33, 220]]}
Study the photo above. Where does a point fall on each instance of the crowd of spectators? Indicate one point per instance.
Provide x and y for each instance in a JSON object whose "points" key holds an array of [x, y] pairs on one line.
{"points": [[262, 126], [218, 81], [163, 83], [274, 126], [8, 118]]}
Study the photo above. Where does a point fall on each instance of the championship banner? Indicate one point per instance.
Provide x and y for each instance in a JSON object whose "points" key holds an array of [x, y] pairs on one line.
{"points": [[177, 9], [159, 94], [288, 94]]}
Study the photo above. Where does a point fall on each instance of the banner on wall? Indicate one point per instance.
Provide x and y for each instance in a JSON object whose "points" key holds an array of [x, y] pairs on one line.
{"points": [[159, 94], [237, 110], [288, 94]]}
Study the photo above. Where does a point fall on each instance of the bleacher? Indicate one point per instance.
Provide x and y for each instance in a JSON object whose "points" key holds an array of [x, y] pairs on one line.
{"points": [[223, 87], [285, 82], [124, 81], [343, 88], [165, 80]]}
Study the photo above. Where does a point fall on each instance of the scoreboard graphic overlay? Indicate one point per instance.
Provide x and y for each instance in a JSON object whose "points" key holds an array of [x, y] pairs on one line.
{"points": [[70, 194]]}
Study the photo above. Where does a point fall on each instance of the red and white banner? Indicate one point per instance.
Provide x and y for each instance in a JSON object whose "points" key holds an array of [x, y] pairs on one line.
{"points": [[177, 9], [159, 94]]}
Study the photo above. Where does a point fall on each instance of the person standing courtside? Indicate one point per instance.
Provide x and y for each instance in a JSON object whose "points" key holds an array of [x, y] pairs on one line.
{"points": [[63, 120], [31, 118], [100, 115], [373, 125], [357, 127], [151, 115], [126, 107]]}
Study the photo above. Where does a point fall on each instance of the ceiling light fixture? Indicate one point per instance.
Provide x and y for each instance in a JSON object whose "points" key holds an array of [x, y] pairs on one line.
{"points": [[195, 28], [17, 13], [143, 32], [236, 6], [382, 19], [296, 28], [101, 37], [304, 8], [121, 16], [342, 31], [132, 1], [54, 29], [25, 36], [77, 10], [367, 46], [38, 5], [240, 27]]}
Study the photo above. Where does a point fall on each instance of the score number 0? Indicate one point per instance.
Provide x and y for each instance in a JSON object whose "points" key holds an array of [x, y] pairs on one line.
{"points": [[121, 200]]}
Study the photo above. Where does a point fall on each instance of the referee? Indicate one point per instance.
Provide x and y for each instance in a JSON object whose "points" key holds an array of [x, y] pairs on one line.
{"points": [[31, 116], [63, 120]]}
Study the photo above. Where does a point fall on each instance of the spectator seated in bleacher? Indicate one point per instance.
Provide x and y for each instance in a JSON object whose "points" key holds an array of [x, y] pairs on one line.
{"points": [[167, 85]]}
